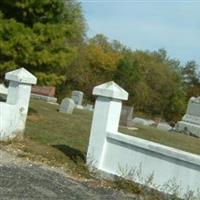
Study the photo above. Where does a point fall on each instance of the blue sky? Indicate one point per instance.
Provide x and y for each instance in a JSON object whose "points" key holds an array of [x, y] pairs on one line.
{"points": [[148, 25]]}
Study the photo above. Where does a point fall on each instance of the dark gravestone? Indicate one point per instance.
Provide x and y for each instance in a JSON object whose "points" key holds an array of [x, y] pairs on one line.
{"points": [[44, 90], [126, 116]]}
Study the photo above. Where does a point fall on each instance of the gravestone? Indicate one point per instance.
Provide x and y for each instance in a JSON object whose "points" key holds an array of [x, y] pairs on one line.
{"points": [[190, 123], [44, 93], [77, 96], [126, 116], [44, 98], [44, 90], [164, 126], [67, 106], [142, 121], [89, 107], [80, 107], [150, 122]]}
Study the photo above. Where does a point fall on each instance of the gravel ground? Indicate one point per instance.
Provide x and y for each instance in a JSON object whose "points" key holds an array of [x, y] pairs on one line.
{"points": [[22, 180]]}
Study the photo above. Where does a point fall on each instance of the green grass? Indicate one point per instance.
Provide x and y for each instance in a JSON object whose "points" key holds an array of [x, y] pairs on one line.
{"points": [[45, 124], [172, 139], [62, 139], [58, 138]]}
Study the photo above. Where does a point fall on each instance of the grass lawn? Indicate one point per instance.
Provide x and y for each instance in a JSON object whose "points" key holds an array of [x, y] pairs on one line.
{"points": [[172, 139], [62, 139], [59, 138]]}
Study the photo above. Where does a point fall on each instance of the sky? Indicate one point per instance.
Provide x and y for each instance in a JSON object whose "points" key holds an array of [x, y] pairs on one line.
{"points": [[148, 25]]}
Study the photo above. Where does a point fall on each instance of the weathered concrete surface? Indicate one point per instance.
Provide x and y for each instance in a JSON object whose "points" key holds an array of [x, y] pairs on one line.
{"points": [[134, 158], [13, 113], [21, 180]]}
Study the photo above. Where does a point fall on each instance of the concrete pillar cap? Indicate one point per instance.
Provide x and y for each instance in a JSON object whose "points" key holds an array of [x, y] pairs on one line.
{"points": [[110, 90], [21, 76]]}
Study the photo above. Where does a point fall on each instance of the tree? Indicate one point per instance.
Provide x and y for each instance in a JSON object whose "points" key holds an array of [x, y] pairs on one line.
{"points": [[127, 75], [96, 63], [43, 11], [190, 73], [40, 35], [191, 78], [48, 38], [154, 83]]}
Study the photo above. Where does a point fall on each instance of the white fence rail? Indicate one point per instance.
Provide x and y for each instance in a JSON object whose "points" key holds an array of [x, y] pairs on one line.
{"points": [[161, 167]]}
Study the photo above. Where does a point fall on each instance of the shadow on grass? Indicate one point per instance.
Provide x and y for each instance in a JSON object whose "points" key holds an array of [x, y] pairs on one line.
{"points": [[32, 111], [75, 155]]}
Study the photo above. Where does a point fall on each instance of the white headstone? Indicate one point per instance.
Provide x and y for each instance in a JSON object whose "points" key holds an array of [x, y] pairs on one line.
{"points": [[190, 123], [89, 107], [151, 122], [80, 107], [77, 96], [164, 126], [141, 121], [67, 106]]}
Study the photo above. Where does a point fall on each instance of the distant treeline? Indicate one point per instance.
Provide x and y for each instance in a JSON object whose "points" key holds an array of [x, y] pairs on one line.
{"points": [[48, 37]]}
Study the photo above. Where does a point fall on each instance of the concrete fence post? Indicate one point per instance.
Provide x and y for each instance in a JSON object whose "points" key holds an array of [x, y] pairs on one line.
{"points": [[13, 113], [111, 153], [105, 119]]}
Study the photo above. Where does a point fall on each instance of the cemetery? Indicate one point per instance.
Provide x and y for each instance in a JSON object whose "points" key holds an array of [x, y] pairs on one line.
{"points": [[144, 145], [85, 116]]}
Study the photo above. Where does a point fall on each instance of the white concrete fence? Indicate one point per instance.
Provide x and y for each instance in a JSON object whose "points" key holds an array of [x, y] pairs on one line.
{"points": [[13, 113], [160, 167]]}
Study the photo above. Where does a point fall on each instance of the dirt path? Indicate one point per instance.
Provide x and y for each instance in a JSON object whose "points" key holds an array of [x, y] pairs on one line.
{"points": [[21, 180]]}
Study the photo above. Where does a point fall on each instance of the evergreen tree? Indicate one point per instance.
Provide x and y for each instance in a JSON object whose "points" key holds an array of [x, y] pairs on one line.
{"points": [[40, 35]]}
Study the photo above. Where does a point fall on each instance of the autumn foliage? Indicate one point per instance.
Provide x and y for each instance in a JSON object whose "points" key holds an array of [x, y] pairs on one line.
{"points": [[48, 37]]}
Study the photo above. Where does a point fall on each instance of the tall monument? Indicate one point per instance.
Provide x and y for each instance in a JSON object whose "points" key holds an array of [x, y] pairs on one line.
{"points": [[190, 123]]}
